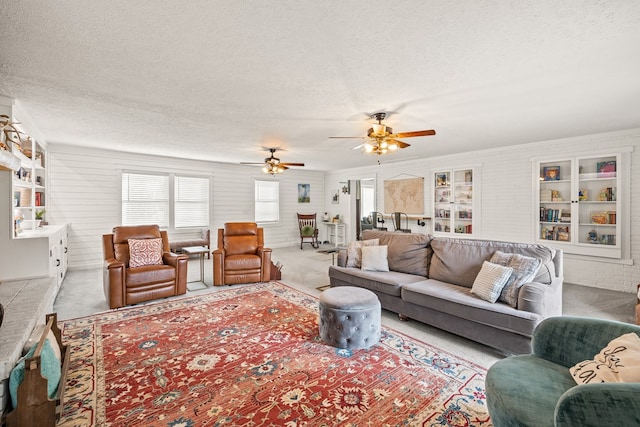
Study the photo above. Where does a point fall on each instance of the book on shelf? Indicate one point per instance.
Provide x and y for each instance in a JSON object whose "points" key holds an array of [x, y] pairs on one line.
{"points": [[554, 215]]}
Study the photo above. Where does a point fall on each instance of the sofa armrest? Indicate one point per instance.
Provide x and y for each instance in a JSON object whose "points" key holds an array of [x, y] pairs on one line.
{"points": [[599, 404], [566, 340], [342, 258], [542, 299]]}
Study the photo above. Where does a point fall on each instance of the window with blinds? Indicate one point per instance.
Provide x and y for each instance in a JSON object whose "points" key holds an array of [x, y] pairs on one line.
{"points": [[191, 205], [145, 199], [169, 200], [267, 201]]}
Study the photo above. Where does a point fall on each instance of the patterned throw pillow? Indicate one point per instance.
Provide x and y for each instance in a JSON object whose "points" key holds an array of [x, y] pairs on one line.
{"points": [[490, 281], [354, 251], [145, 252], [524, 270], [618, 362]]}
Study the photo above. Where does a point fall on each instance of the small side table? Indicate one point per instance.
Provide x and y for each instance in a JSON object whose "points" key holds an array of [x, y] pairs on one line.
{"points": [[201, 251]]}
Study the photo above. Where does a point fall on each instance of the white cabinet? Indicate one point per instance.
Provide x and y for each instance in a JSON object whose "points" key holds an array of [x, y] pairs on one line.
{"points": [[58, 249], [580, 203], [454, 210]]}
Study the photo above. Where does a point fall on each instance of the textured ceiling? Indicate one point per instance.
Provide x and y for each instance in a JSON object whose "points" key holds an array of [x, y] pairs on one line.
{"points": [[222, 80]]}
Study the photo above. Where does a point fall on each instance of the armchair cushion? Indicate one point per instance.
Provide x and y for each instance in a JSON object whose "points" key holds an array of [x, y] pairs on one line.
{"points": [[145, 252]]}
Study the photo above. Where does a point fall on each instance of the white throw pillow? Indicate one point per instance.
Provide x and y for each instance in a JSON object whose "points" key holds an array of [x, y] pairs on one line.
{"points": [[354, 251], [490, 281], [374, 258], [618, 362], [524, 270]]}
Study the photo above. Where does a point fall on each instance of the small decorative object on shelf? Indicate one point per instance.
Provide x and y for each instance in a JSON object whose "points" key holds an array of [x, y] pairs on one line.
{"points": [[551, 173], [592, 236], [599, 217], [606, 169]]}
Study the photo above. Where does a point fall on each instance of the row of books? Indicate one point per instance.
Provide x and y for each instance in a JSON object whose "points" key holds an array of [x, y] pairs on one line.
{"points": [[554, 215]]}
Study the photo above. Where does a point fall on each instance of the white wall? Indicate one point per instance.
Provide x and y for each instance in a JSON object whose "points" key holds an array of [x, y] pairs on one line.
{"points": [[506, 197], [84, 189]]}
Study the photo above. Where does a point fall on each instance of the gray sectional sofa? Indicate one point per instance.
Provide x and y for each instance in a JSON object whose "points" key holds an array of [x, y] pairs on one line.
{"points": [[430, 281]]}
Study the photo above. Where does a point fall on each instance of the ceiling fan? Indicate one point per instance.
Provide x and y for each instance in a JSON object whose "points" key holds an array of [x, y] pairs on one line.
{"points": [[381, 139], [272, 164]]}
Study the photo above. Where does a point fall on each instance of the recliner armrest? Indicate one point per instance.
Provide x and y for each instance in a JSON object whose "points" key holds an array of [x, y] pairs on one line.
{"points": [[172, 259], [599, 404], [112, 263]]}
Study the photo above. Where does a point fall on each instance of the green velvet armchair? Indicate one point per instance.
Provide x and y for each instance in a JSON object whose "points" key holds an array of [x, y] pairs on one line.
{"points": [[538, 390]]}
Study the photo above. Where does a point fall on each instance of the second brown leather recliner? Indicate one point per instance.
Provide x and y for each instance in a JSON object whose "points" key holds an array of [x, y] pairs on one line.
{"points": [[241, 256]]}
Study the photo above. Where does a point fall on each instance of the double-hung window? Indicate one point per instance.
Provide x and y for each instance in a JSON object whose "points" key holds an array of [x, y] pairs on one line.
{"points": [[169, 200], [191, 202], [267, 201], [145, 199]]}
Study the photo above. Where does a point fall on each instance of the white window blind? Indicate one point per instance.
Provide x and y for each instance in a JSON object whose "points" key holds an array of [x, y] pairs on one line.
{"points": [[191, 202], [145, 199], [267, 201]]}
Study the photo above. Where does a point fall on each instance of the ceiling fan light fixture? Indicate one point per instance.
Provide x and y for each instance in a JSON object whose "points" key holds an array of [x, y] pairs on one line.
{"points": [[379, 129], [393, 146], [368, 147]]}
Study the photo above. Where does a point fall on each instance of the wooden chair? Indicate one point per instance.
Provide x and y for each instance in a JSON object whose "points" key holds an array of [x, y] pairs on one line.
{"points": [[308, 230]]}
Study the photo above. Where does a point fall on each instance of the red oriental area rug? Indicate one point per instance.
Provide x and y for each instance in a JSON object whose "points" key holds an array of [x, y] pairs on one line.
{"points": [[251, 356]]}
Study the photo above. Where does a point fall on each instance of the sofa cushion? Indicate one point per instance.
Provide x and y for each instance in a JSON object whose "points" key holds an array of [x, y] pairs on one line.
{"points": [[490, 281], [459, 261], [458, 301], [524, 269], [407, 252], [387, 282], [354, 251], [374, 258]]}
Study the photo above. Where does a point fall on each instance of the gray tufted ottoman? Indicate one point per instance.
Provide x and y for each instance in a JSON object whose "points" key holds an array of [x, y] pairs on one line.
{"points": [[349, 317]]}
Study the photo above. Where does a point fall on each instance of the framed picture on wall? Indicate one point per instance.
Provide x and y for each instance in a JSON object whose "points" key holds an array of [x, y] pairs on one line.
{"points": [[304, 193], [335, 199]]}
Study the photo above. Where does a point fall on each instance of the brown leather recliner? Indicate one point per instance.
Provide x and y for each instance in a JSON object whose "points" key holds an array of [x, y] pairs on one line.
{"points": [[124, 285], [241, 256]]}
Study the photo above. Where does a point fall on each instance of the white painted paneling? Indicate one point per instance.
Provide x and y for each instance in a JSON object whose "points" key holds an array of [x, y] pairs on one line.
{"points": [[506, 198], [85, 185]]}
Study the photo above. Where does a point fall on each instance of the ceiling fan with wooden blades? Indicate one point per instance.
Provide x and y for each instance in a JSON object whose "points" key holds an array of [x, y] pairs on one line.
{"points": [[380, 138], [272, 165]]}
